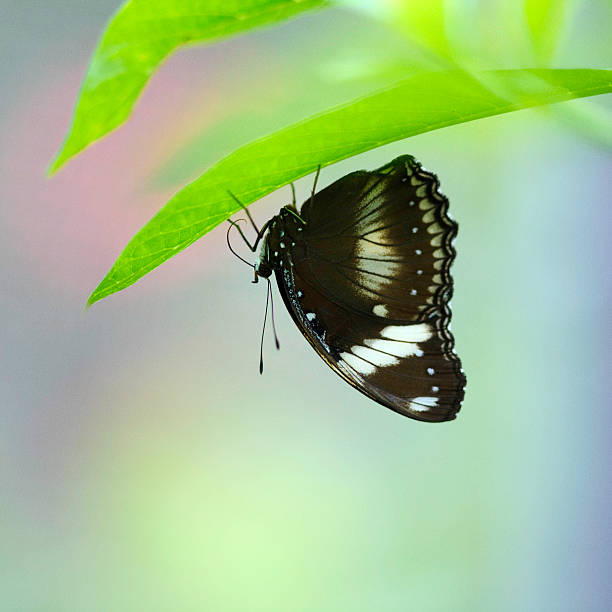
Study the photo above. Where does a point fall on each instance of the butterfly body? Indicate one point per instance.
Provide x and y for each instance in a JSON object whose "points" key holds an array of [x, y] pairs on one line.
{"points": [[364, 271]]}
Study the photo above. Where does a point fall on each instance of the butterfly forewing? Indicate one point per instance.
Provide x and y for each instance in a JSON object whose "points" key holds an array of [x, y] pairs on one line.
{"points": [[367, 281], [385, 245]]}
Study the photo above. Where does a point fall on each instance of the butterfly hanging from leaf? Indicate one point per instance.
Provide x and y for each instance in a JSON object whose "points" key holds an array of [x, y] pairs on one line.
{"points": [[364, 271]]}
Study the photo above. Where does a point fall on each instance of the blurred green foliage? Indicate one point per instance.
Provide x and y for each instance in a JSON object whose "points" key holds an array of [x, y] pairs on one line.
{"points": [[545, 20], [138, 38]]}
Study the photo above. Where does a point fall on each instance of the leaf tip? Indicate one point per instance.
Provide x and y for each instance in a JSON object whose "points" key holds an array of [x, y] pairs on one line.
{"points": [[52, 168], [57, 162], [92, 299]]}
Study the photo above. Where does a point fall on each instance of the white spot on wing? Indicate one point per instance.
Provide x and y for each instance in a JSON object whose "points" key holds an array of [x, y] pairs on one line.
{"points": [[380, 310], [311, 316], [419, 332], [393, 347], [359, 365], [375, 357], [423, 404]]}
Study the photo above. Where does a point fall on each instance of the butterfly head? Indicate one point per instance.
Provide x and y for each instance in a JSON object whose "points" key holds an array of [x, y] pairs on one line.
{"points": [[264, 265], [275, 245], [263, 270]]}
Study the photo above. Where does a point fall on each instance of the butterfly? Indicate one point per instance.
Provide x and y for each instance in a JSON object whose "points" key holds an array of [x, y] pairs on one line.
{"points": [[364, 271]]}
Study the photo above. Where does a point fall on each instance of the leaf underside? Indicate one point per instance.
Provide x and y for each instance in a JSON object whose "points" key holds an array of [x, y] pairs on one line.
{"points": [[420, 104]]}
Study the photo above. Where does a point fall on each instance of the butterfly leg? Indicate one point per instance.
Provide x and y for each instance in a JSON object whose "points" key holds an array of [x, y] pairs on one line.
{"points": [[315, 184], [248, 214]]}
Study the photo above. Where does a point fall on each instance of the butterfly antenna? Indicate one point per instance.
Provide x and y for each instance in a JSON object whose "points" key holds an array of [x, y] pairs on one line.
{"points": [[263, 331], [227, 238], [272, 314], [269, 300], [293, 200]]}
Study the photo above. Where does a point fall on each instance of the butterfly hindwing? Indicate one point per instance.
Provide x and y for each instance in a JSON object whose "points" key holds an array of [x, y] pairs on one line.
{"points": [[402, 366]]}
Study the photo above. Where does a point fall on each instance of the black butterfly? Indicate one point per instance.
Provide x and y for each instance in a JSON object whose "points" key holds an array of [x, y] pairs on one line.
{"points": [[364, 271]]}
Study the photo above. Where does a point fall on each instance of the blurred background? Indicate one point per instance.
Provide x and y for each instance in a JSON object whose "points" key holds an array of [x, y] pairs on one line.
{"points": [[144, 462]]}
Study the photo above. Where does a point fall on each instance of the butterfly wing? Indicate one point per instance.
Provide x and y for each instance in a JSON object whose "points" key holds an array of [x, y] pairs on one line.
{"points": [[368, 283]]}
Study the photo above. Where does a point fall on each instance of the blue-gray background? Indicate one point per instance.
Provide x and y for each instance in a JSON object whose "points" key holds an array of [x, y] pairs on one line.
{"points": [[145, 464]]}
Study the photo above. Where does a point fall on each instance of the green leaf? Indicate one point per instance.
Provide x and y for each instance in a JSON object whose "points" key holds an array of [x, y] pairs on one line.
{"points": [[545, 19], [420, 104], [138, 38], [424, 23]]}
